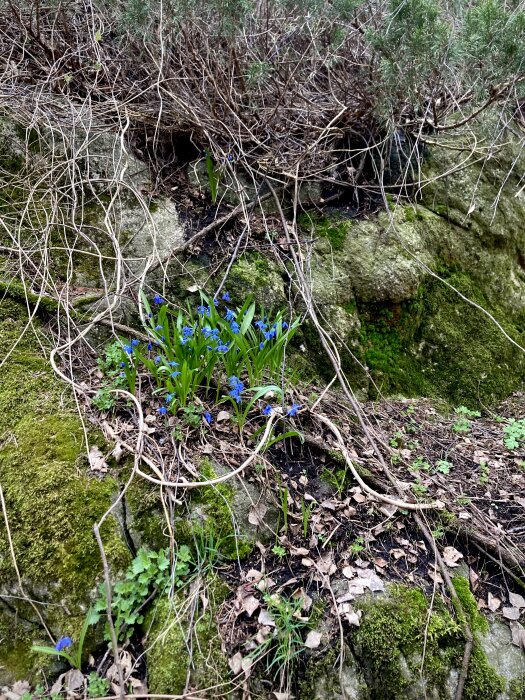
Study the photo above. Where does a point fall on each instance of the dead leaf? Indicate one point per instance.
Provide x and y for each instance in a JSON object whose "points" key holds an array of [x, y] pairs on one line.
{"points": [[397, 553], [97, 461], [388, 509], [117, 452], [235, 663], [435, 576], [451, 556], [250, 605], [517, 600], [349, 572], [299, 551], [518, 634], [222, 416], [265, 618], [313, 639], [73, 680], [511, 613], [257, 513], [493, 603]]}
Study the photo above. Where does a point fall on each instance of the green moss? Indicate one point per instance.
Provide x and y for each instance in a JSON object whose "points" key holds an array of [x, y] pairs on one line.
{"points": [[516, 689], [335, 229], [477, 622], [51, 502], [437, 345], [254, 274], [212, 518], [393, 629], [176, 649]]}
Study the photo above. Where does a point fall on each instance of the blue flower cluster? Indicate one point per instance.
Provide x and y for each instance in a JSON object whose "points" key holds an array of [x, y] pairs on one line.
{"points": [[237, 387]]}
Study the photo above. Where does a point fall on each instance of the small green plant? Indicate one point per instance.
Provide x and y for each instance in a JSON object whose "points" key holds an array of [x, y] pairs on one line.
{"points": [[213, 177], [397, 440], [419, 464], [357, 546], [336, 478], [286, 643], [484, 472], [148, 572], [438, 532], [97, 687], [463, 500], [74, 658], [442, 466], [463, 423], [279, 551], [514, 433], [419, 488], [192, 415], [306, 513], [111, 366]]}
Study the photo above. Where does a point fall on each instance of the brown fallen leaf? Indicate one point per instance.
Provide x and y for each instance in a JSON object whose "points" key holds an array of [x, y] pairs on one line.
{"points": [[493, 603], [265, 618], [257, 513], [97, 461], [313, 639], [250, 605], [451, 556], [518, 634], [516, 600], [511, 613], [222, 416]]}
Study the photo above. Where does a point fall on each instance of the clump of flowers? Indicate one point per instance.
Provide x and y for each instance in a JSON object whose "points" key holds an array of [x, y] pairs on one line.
{"points": [[213, 350]]}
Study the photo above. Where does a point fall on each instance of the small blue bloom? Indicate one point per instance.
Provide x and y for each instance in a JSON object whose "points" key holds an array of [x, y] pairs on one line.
{"points": [[267, 410], [208, 417], [63, 643], [162, 410], [157, 299], [202, 309], [212, 333], [122, 374], [128, 349], [150, 346], [293, 410], [134, 342], [284, 325], [163, 338], [235, 327], [226, 296], [122, 364], [261, 325], [187, 331], [215, 302], [261, 345], [158, 359], [169, 398], [174, 375], [173, 363], [269, 335], [229, 316], [222, 347], [150, 315], [159, 328], [234, 381]]}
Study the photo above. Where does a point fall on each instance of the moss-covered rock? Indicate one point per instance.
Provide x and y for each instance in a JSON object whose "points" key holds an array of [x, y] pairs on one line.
{"points": [[183, 647], [51, 502]]}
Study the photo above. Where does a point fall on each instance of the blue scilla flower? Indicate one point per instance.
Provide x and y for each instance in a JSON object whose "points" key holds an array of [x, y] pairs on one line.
{"points": [[212, 333], [174, 375], [226, 296], [261, 325], [187, 331], [122, 364], [261, 345], [134, 342], [173, 363], [157, 299], [163, 338], [234, 381], [169, 398], [293, 410], [267, 410], [202, 309], [215, 302], [159, 328], [237, 387], [150, 346], [229, 316], [269, 335], [208, 417], [63, 643], [158, 359], [150, 315], [284, 325], [128, 349], [222, 347], [162, 410], [235, 327]]}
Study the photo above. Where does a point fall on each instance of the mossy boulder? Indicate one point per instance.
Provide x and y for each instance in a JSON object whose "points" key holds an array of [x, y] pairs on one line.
{"points": [[183, 647], [405, 649], [51, 501]]}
